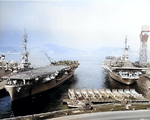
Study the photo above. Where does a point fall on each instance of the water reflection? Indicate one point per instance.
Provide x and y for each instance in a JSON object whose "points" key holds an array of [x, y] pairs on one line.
{"points": [[48, 101], [5, 107]]}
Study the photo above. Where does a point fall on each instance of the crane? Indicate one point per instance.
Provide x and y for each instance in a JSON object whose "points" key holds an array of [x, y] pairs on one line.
{"points": [[50, 59]]}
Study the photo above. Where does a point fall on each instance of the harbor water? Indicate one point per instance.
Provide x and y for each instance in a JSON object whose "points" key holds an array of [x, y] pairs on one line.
{"points": [[89, 75]]}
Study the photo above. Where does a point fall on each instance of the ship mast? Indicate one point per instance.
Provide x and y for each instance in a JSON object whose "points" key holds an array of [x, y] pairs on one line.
{"points": [[126, 43], [126, 51], [24, 60], [25, 41]]}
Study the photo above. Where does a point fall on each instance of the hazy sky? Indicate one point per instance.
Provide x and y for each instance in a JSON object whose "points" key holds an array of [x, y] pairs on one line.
{"points": [[81, 24]]}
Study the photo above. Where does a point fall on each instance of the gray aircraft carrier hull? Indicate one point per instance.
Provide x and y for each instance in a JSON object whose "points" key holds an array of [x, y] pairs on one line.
{"points": [[121, 80], [30, 90], [21, 91]]}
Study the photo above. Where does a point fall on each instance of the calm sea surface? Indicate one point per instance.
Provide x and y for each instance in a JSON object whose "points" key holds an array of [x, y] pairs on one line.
{"points": [[88, 75]]}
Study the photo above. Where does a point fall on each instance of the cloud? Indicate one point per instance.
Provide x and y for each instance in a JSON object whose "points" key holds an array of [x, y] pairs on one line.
{"points": [[86, 25]]}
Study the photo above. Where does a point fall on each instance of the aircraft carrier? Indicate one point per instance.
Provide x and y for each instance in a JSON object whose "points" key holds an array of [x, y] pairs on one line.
{"points": [[27, 81], [121, 69], [34, 81]]}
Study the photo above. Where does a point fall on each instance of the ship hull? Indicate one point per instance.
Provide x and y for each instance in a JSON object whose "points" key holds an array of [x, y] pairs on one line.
{"points": [[121, 80], [19, 92], [2, 72]]}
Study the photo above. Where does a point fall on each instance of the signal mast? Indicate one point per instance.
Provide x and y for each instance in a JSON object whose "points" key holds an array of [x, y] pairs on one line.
{"points": [[126, 51], [24, 60]]}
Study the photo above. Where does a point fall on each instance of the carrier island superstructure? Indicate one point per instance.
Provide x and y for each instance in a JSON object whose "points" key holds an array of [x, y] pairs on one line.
{"points": [[121, 69], [29, 82]]}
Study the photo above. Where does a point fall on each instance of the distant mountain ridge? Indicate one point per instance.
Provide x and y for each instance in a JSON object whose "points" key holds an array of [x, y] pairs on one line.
{"points": [[52, 49], [10, 49], [47, 48], [116, 51], [55, 49]]}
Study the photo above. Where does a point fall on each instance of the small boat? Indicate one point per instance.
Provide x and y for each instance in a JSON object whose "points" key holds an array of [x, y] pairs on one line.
{"points": [[84, 93], [71, 94]]}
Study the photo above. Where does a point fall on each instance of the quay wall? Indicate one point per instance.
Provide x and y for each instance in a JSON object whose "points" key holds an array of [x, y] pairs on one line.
{"points": [[49, 115], [44, 115]]}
